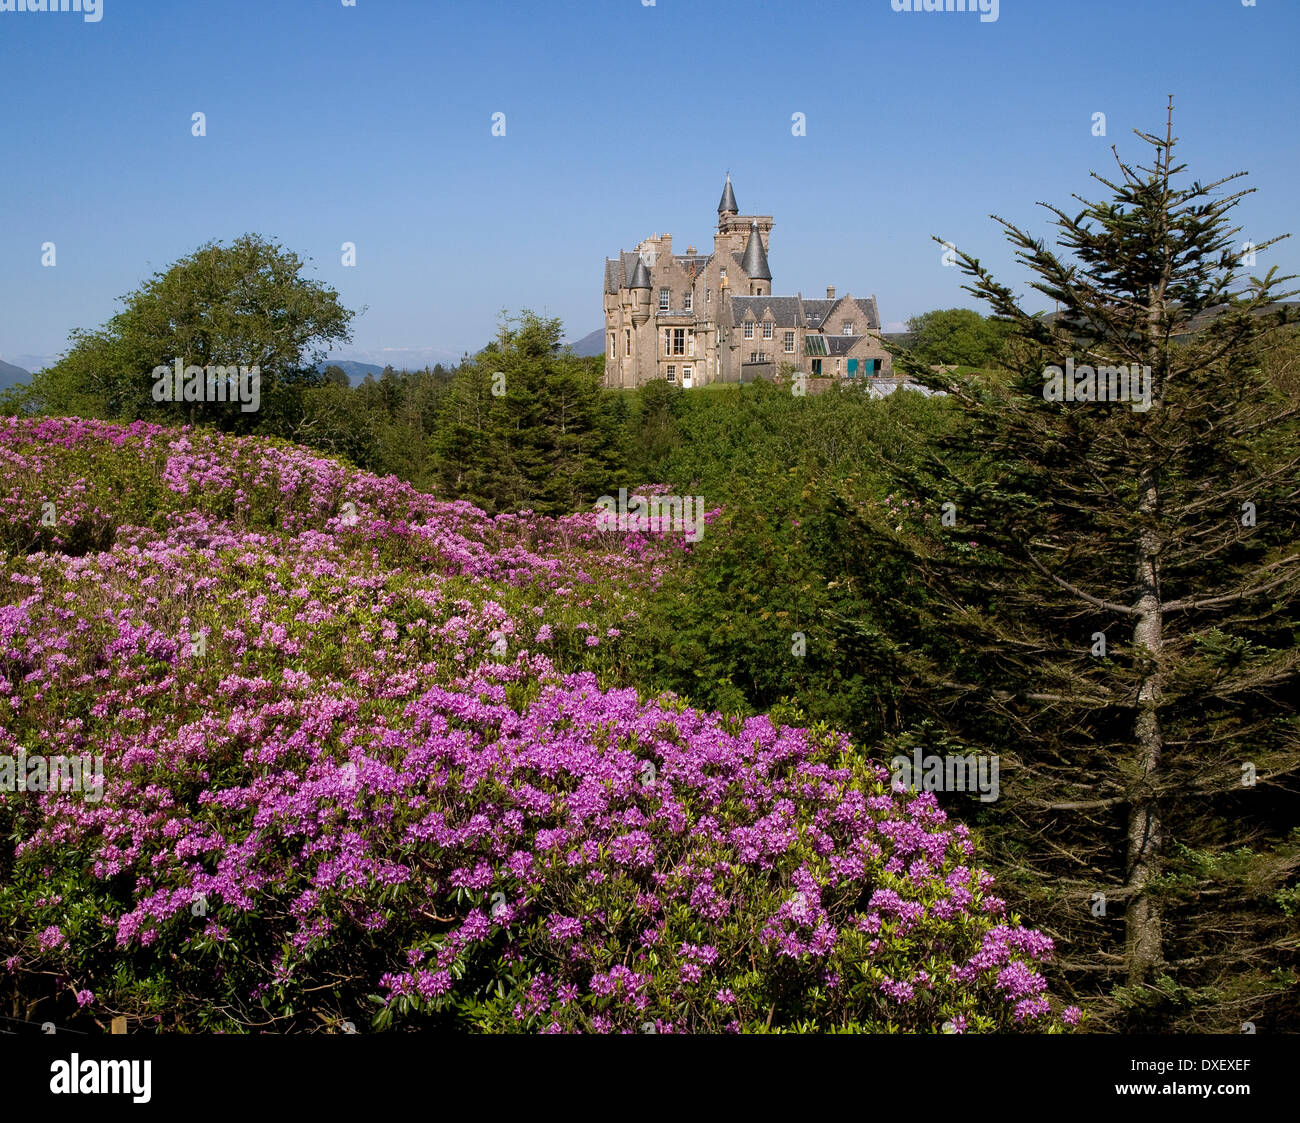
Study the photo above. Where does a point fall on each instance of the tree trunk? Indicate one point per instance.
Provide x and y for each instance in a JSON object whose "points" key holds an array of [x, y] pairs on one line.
{"points": [[1143, 950]]}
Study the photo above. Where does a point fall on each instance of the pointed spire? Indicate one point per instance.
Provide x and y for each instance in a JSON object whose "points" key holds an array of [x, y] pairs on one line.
{"points": [[727, 205], [640, 275], [755, 260]]}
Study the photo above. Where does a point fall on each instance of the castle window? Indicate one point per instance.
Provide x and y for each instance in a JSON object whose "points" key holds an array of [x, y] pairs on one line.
{"points": [[672, 373], [690, 301], [749, 331], [679, 341], [663, 300], [767, 329], [724, 276], [627, 343], [789, 343], [848, 327], [690, 343], [668, 341], [708, 296], [612, 352]]}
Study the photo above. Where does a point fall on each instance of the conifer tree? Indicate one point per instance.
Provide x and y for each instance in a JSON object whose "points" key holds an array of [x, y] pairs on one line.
{"points": [[1111, 603]]}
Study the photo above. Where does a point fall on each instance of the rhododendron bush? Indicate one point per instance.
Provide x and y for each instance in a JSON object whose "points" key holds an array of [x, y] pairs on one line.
{"points": [[370, 758]]}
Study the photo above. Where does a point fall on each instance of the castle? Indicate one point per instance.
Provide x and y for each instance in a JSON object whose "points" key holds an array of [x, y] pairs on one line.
{"points": [[695, 318]]}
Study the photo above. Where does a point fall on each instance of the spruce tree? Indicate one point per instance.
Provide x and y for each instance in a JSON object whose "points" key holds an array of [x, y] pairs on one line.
{"points": [[1111, 602]]}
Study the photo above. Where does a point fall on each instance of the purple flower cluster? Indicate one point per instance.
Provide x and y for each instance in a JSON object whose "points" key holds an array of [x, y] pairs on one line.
{"points": [[397, 758]]}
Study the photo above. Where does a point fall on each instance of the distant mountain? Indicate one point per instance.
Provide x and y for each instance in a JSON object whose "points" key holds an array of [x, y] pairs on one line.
{"points": [[32, 363], [356, 372], [11, 375], [593, 344]]}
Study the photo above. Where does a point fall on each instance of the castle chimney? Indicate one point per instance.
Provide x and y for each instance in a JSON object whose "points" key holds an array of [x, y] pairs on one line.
{"points": [[830, 292]]}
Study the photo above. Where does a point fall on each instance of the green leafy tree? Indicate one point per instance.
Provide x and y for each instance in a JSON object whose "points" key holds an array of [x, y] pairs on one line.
{"points": [[243, 304], [958, 337]]}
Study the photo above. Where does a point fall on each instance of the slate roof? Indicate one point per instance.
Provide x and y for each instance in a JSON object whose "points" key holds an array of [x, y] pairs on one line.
{"points": [[613, 280], [832, 345], [841, 344], [785, 309], [754, 262], [640, 276], [817, 311], [692, 263], [728, 200]]}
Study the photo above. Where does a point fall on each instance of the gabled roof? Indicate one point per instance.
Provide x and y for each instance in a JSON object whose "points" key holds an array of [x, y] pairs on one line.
{"points": [[785, 309], [620, 278], [817, 311], [754, 262], [864, 304]]}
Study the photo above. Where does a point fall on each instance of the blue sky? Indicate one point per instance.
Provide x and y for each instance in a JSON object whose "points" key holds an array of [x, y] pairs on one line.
{"points": [[372, 124]]}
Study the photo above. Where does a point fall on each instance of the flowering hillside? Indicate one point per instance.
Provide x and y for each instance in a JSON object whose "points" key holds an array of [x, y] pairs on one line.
{"points": [[370, 761]]}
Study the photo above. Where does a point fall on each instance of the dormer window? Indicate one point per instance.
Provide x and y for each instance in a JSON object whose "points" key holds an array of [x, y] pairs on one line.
{"points": [[663, 300], [690, 301], [749, 330], [767, 329]]}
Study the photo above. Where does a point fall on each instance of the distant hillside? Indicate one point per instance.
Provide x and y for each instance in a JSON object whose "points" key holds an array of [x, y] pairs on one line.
{"points": [[356, 372], [11, 375], [593, 344]]}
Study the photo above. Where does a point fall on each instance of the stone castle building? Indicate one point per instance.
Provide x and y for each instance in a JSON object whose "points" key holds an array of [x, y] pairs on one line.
{"points": [[696, 318]]}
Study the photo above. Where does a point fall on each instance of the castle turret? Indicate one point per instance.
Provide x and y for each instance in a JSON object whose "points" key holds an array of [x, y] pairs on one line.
{"points": [[755, 261], [639, 289], [727, 204]]}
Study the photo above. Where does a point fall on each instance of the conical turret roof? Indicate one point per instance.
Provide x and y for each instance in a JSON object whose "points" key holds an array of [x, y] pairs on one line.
{"points": [[755, 260], [640, 275], [728, 201]]}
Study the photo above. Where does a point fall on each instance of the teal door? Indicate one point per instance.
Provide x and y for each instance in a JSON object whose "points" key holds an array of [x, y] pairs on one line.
{"points": [[853, 367]]}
